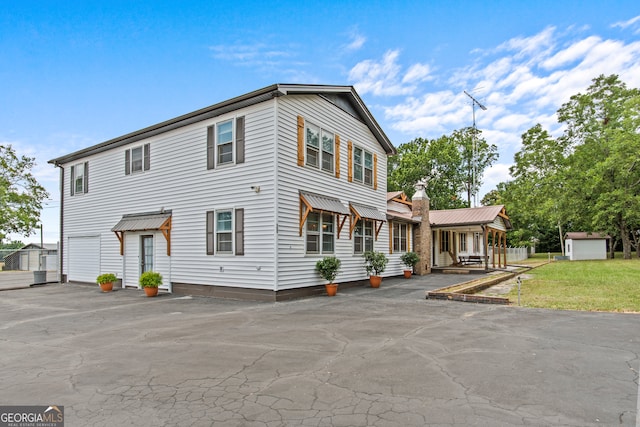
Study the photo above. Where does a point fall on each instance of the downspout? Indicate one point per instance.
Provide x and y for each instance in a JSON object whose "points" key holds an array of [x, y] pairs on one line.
{"points": [[61, 244], [276, 195]]}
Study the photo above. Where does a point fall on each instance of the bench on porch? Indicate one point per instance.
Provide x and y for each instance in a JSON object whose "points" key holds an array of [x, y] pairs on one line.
{"points": [[470, 259]]}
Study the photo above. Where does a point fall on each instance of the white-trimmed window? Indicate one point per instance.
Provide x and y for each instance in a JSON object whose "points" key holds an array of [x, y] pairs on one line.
{"points": [[363, 236], [79, 178], [320, 236], [477, 242], [363, 166], [463, 242], [444, 241], [400, 237], [320, 148], [137, 159], [225, 232], [225, 143]]}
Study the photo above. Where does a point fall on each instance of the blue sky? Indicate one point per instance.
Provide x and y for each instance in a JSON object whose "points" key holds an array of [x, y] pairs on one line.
{"points": [[76, 73]]}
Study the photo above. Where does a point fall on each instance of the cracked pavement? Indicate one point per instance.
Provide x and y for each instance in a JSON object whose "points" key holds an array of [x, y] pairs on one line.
{"points": [[367, 357]]}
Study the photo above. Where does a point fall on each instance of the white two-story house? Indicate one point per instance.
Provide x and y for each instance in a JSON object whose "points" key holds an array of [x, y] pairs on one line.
{"points": [[239, 199]]}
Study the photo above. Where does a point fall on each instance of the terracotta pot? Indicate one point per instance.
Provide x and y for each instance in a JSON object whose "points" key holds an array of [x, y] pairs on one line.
{"points": [[375, 281], [151, 292], [407, 274], [106, 287], [331, 288]]}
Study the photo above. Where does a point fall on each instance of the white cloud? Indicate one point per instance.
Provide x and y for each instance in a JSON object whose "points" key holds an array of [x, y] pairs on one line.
{"points": [[631, 22], [417, 73], [522, 81], [357, 41]]}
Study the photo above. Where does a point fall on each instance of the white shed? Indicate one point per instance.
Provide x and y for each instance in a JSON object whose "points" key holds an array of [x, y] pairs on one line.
{"points": [[586, 245]]}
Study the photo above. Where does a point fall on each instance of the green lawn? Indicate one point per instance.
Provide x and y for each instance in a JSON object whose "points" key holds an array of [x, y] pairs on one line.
{"points": [[608, 285]]}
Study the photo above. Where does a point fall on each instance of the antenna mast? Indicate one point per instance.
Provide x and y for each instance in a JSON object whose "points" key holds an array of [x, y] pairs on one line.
{"points": [[474, 154]]}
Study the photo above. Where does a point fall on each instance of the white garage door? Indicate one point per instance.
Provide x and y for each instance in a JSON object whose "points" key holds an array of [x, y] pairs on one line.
{"points": [[83, 263]]}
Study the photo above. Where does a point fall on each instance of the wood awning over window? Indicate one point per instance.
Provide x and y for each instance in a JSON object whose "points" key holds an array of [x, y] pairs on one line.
{"points": [[359, 212], [312, 202], [149, 221]]}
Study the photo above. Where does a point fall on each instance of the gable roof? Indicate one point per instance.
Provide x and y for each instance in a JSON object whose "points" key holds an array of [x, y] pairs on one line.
{"points": [[344, 97], [583, 235], [468, 216]]}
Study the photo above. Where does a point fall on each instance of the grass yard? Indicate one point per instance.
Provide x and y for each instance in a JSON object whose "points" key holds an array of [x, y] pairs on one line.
{"points": [[608, 285]]}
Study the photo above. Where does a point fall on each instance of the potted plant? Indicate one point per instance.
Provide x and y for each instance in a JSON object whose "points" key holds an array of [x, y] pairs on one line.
{"points": [[106, 281], [409, 259], [328, 268], [375, 263], [149, 281]]}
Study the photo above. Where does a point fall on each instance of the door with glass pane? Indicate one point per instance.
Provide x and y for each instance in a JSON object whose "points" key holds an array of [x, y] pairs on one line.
{"points": [[146, 254]]}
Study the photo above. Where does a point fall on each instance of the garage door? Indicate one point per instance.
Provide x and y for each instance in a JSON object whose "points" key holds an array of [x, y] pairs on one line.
{"points": [[83, 262]]}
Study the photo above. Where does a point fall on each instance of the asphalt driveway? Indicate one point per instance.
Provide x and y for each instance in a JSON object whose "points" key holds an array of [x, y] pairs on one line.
{"points": [[367, 357]]}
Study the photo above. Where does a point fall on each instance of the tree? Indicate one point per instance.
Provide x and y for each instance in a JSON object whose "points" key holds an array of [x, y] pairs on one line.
{"points": [[602, 133], [444, 163], [589, 178], [474, 166], [20, 194]]}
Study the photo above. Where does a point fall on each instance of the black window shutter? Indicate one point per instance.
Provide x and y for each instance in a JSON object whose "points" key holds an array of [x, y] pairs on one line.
{"points": [[239, 231], [86, 177], [211, 155], [240, 139], [147, 156], [127, 162], [209, 233], [73, 179]]}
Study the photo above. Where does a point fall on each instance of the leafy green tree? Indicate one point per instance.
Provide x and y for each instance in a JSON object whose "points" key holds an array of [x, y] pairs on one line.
{"points": [[485, 156], [602, 134], [443, 163], [20, 194]]}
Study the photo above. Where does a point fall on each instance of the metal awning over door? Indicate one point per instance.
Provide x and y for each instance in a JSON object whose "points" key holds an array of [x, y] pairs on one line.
{"points": [[149, 221]]}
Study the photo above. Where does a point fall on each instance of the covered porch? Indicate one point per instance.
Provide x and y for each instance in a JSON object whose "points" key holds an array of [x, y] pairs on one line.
{"points": [[473, 238]]}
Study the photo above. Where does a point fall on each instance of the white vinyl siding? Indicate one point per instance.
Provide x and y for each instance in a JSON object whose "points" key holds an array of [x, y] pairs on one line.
{"points": [[295, 265], [275, 256], [180, 181]]}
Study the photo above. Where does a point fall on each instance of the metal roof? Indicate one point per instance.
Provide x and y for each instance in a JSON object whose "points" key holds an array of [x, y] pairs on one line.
{"points": [[354, 101], [142, 221], [583, 235], [466, 216], [368, 212], [324, 203]]}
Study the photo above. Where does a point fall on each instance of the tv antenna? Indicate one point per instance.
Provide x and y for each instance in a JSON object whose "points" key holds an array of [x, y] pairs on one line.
{"points": [[474, 152]]}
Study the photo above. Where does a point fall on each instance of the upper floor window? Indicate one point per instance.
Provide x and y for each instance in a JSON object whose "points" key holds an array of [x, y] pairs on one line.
{"points": [[320, 233], [363, 166], [137, 159], [400, 237], [225, 143], [363, 236], [320, 148], [79, 178]]}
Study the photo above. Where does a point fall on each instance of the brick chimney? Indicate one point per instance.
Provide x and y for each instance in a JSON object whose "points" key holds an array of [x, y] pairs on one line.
{"points": [[422, 244]]}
